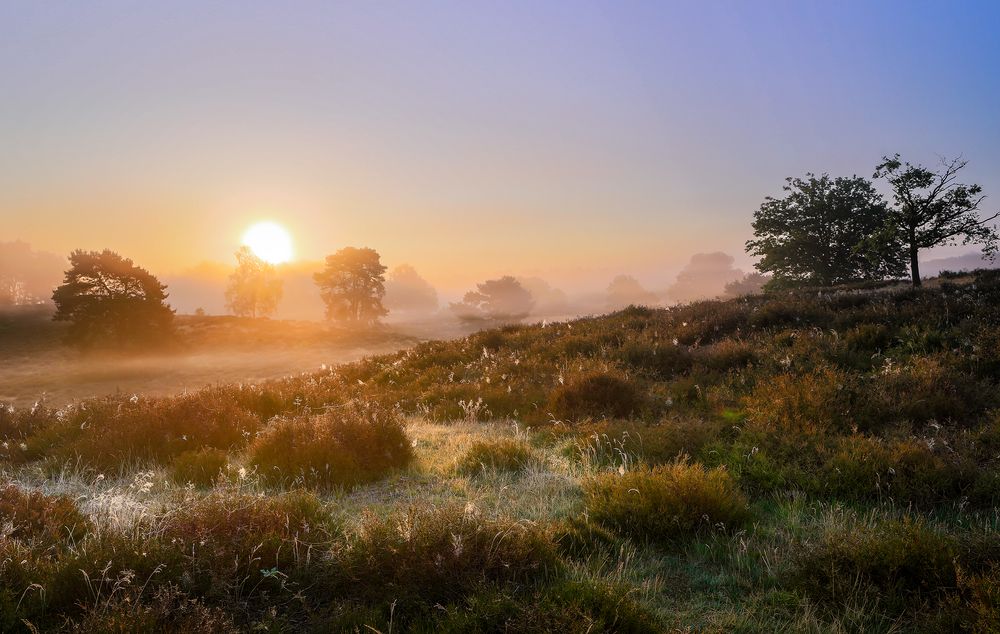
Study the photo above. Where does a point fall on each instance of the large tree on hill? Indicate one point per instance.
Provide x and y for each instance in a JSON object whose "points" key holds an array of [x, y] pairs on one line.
{"points": [[254, 287], [352, 285], [820, 233], [106, 297], [933, 209], [503, 299]]}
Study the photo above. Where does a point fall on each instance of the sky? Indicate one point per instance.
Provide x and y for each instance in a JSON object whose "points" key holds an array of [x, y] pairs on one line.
{"points": [[572, 140]]}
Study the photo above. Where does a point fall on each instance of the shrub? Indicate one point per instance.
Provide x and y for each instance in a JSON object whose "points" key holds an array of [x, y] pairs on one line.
{"points": [[39, 519], [574, 607], [661, 362], [238, 538], [504, 454], [105, 433], [428, 556], [726, 355], [595, 396], [351, 446], [665, 502], [899, 564], [201, 467], [802, 405]]}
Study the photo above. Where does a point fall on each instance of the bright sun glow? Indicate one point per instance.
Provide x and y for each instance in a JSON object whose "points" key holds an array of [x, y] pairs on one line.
{"points": [[269, 241]]}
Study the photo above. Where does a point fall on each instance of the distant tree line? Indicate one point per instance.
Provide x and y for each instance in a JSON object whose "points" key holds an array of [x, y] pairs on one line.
{"points": [[823, 231]]}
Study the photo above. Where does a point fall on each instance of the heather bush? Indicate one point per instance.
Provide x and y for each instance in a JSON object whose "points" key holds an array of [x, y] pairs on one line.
{"points": [[201, 467], [899, 565], [40, 520], [665, 502], [425, 556], [595, 395], [505, 454], [345, 447]]}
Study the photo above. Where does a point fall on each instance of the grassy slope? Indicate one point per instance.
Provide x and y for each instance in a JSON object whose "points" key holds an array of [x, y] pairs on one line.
{"points": [[853, 434]]}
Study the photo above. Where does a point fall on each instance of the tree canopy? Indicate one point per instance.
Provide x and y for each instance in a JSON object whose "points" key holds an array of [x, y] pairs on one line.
{"points": [[933, 209], [107, 298], [820, 233], [502, 299], [254, 287], [352, 285], [406, 290], [625, 290]]}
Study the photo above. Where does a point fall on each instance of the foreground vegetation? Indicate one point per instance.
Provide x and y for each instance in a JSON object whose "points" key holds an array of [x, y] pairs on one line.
{"points": [[818, 460]]}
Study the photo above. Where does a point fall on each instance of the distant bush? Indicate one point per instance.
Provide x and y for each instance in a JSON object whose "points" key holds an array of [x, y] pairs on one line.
{"points": [[665, 502], [39, 519], [504, 454], [595, 395], [660, 361], [201, 467], [353, 445]]}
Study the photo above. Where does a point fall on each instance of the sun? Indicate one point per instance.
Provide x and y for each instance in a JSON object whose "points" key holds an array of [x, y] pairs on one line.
{"points": [[269, 241]]}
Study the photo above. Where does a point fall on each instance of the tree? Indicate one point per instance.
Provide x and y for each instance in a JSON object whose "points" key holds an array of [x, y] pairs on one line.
{"points": [[749, 284], [820, 233], [502, 299], [254, 287], [933, 209], [405, 290], [106, 297], [27, 276], [705, 276], [625, 290], [352, 286]]}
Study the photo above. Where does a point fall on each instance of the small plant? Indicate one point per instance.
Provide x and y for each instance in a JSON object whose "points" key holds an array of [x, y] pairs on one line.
{"points": [[665, 502], [505, 454]]}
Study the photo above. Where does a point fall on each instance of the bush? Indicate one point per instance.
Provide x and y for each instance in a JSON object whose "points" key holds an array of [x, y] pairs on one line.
{"points": [[595, 396], [665, 502], [345, 448], [201, 467], [802, 405], [239, 538], [661, 362], [39, 519], [428, 556], [506, 454], [900, 565]]}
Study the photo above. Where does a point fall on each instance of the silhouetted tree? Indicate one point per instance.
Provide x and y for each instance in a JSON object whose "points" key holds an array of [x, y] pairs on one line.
{"points": [[502, 299], [106, 297], [749, 284], [705, 276], [405, 290], [933, 209], [352, 285], [820, 233], [625, 290], [254, 287]]}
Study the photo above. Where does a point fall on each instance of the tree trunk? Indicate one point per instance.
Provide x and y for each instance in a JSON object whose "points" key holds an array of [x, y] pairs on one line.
{"points": [[914, 266]]}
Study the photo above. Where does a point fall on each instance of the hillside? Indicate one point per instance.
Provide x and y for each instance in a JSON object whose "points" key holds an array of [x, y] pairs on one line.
{"points": [[819, 460]]}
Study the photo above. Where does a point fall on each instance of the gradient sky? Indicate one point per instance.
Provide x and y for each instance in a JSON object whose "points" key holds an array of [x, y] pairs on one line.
{"points": [[470, 139]]}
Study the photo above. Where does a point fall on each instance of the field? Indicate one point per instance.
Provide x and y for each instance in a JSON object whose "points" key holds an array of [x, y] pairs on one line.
{"points": [[820, 460], [207, 351]]}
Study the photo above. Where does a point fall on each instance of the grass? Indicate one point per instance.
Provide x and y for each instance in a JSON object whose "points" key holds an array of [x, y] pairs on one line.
{"points": [[817, 461]]}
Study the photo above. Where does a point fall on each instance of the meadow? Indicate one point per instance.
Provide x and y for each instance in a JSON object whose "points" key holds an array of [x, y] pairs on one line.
{"points": [[817, 460]]}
